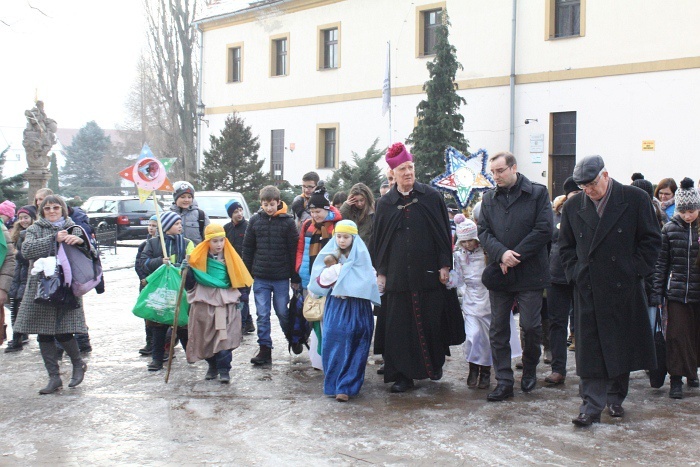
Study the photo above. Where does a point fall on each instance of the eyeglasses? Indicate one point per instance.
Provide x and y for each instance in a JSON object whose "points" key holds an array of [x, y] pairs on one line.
{"points": [[52, 208], [500, 171], [595, 181], [308, 187]]}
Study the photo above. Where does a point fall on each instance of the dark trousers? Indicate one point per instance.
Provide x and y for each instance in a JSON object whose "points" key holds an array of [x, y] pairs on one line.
{"points": [[597, 392], [683, 339], [529, 306], [222, 360], [159, 333], [559, 300]]}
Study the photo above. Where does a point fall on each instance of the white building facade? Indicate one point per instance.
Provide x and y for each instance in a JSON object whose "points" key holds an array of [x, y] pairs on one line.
{"points": [[619, 79]]}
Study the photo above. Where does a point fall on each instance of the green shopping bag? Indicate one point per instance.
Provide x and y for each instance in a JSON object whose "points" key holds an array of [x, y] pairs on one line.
{"points": [[157, 300]]}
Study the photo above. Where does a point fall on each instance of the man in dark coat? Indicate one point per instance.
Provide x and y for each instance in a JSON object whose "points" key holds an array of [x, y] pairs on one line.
{"points": [[515, 227], [413, 256], [608, 242]]}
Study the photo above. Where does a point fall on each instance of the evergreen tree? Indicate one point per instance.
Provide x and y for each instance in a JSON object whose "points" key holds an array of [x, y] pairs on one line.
{"points": [[232, 164], [84, 157], [365, 170], [53, 170], [439, 122], [12, 188]]}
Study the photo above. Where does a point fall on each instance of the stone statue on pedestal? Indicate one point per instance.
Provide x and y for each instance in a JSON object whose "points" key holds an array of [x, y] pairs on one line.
{"points": [[39, 138]]}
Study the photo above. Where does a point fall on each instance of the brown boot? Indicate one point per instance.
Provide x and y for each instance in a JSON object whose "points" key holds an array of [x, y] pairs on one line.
{"points": [[473, 375], [264, 356], [484, 377]]}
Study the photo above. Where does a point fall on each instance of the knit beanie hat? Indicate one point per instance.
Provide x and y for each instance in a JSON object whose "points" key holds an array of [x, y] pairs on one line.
{"points": [[181, 188], [570, 185], [168, 219], [7, 208], [319, 199], [397, 155], [232, 206], [28, 210], [466, 229], [476, 212], [644, 185], [153, 218], [687, 198]]}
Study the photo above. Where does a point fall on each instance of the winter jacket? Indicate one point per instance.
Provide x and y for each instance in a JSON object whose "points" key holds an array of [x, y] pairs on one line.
{"points": [[556, 269], [305, 256], [7, 270], [194, 220], [80, 218], [236, 234], [42, 318], [270, 246], [519, 219], [677, 277], [152, 255], [19, 280]]}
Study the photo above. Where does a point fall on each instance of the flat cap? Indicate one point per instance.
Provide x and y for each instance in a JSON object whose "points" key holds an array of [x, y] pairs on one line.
{"points": [[587, 169]]}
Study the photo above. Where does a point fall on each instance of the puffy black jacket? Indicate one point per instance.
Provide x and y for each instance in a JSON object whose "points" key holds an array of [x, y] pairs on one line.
{"points": [[679, 250], [19, 280], [270, 246], [235, 235], [519, 219], [556, 269]]}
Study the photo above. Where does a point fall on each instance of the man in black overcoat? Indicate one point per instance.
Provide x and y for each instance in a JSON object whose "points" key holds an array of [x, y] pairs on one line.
{"points": [[609, 242], [412, 249], [515, 228]]}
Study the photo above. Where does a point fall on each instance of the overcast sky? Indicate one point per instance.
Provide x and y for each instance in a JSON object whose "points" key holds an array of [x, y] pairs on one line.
{"points": [[78, 55]]}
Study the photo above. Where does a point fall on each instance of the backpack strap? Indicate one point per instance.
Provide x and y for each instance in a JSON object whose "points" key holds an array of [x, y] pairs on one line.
{"points": [[201, 223]]}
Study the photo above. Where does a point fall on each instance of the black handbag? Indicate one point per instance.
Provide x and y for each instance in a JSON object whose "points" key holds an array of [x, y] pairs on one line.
{"points": [[53, 290], [657, 377]]}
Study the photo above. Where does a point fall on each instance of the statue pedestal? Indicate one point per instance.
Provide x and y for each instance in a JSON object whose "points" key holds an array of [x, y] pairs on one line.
{"points": [[37, 178]]}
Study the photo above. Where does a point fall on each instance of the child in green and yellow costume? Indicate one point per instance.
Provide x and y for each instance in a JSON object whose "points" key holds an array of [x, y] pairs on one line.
{"points": [[216, 273]]}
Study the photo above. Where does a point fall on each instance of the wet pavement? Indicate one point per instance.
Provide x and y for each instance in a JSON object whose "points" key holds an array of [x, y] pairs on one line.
{"points": [[278, 415]]}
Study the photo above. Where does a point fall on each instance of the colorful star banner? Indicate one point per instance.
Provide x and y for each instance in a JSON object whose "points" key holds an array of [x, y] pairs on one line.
{"points": [[148, 173], [464, 175]]}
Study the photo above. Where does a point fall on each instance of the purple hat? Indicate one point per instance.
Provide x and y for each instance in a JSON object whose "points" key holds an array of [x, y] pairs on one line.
{"points": [[397, 155], [7, 208]]}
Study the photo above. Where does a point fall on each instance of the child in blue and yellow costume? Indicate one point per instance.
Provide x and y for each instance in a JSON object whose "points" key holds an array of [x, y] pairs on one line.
{"points": [[351, 290], [216, 273]]}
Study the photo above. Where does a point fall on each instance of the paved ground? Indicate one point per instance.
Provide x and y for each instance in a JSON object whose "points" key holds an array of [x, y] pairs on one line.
{"points": [[122, 414]]}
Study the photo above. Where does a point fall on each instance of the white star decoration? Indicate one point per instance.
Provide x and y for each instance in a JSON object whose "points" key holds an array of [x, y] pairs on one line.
{"points": [[464, 175]]}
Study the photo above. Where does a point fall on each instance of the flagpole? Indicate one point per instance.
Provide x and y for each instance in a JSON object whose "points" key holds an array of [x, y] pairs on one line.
{"points": [[388, 57]]}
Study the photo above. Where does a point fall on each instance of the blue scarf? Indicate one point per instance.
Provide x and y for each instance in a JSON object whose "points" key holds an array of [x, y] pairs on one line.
{"points": [[175, 245], [59, 223], [357, 277]]}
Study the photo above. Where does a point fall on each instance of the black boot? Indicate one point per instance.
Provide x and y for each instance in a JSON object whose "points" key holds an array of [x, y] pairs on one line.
{"points": [[484, 377], [48, 353], [264, 356], [473, 375], [15, 345], [211, 372], [79, 366], [676, 391], [148, 349], [249, 326]]}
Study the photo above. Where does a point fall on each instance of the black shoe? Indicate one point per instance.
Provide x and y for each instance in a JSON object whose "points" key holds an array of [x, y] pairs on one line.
{"points": [[14, 345], [211, 373], [297, 348], [616, 410], [501, 393], [473, 377], [249, 327], [380, 370], [402, 384], [224, 377], [585, 419], [437, 376], [155, 366], [264, 356], [86, 349], [147, 350], [676, 391], [528, 383], [693, 382]]}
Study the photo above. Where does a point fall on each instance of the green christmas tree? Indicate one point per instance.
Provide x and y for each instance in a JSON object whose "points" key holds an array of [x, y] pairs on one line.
{"points": [[12, 188], [440, 123], [53, 170], [84, 158], [232, 164], [364, 170]]}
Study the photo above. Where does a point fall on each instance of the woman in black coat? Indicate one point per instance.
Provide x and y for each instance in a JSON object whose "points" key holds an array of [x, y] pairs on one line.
{"points": [[677, 279]]}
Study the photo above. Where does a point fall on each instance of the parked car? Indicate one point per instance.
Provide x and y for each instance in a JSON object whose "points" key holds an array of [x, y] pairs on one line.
{"points": [[125, 212], [214, 204]]}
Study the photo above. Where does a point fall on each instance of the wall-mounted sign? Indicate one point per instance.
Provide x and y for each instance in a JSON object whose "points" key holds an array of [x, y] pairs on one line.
{"points": [[537, 143], [536, 158], [648, 145]]}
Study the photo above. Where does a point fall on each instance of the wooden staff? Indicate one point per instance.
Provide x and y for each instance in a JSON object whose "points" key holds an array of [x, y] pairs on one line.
{"points": [[173, 338], [160, 227]]}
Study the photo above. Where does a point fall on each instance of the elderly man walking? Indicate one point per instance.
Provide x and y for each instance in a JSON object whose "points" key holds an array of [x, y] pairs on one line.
{"points": [[515, 226], [413, 256], [608, 242]]}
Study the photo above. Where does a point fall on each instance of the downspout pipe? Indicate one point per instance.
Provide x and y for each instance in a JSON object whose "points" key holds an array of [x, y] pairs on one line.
{"points": [[199, 96], [512, 78]]}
